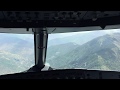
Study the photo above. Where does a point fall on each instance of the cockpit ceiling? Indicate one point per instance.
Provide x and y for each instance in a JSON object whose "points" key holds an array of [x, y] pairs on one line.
{"points": [[58, 21], [55, 15], [23, 19], [56, 29]]}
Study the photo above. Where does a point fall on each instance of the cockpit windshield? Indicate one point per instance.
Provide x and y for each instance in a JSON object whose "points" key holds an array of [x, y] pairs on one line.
{"points": [[16, 52], [97, 50]]}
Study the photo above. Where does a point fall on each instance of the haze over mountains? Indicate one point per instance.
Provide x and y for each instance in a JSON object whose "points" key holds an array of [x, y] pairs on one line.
{"points": [[16, 53], [101, 53], [90, 50], [77, 37]]}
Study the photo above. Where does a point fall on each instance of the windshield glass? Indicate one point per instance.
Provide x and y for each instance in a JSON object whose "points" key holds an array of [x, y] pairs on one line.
{"points": [[16, 52], [97, 50]]}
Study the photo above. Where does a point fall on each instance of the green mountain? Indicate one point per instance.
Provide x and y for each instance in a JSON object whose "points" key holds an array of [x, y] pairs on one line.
{"points": [[61, 49], [13, 63], [16, 54], [15, 45], [90, 51], [100, 53]]}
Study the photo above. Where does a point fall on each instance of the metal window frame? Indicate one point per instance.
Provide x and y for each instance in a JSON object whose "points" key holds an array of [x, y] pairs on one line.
{"points": [[40, 46]]}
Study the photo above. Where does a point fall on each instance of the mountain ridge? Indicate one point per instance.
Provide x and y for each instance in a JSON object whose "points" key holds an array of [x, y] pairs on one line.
{"points": [[98, 53]]}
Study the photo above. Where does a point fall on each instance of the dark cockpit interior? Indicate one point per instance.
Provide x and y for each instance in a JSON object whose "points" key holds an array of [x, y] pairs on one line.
{"points": [[42, 24]]}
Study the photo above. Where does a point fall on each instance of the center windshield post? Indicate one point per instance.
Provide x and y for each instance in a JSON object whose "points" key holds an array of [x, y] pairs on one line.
{"points": [[41, 37]]}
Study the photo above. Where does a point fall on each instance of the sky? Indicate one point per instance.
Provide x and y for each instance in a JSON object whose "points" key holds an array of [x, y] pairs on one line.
{"points": [[61, 35]]}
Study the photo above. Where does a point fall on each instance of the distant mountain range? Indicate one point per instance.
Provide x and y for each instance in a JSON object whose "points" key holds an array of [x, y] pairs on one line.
{"points": [[78, 38], [100, 53], [16, 53], [96, 50], [16, 45]]}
